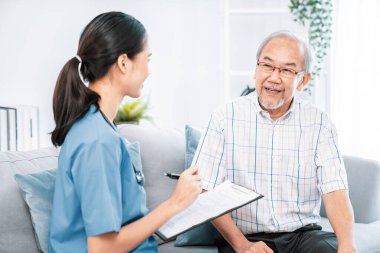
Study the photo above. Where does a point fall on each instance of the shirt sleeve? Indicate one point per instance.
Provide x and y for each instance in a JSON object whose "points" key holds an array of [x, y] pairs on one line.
{"points": [[210, 154], [97, 181], [330, 167]]}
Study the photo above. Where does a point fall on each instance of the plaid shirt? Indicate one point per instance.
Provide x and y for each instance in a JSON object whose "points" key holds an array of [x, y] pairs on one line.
{"points": [[292, 161]]}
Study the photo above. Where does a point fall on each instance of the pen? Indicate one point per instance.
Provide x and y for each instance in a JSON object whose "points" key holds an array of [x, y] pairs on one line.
{"points": [[172, 175]]}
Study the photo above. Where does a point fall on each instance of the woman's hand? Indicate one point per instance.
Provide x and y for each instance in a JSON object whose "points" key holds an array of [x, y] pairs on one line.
{"points": [[188, 188]]}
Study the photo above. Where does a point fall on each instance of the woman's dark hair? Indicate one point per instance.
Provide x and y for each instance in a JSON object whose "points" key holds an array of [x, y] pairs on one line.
{"points": [[102, 41]]}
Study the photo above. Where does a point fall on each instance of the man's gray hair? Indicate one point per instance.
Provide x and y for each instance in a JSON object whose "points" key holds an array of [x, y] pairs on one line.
{"points": [[307, 52]]}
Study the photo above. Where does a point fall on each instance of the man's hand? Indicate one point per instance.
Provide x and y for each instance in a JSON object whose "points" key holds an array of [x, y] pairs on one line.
{"points": [[254, 247]]}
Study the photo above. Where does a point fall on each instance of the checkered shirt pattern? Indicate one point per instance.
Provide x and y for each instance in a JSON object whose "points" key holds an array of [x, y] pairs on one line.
{"points": [[292, 161]]}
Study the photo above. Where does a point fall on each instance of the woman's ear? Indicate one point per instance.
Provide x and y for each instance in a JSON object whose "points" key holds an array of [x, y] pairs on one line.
{"points": [[123, 63]]}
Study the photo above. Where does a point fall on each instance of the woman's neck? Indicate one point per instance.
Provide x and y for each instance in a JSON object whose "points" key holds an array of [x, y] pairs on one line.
{"points": [[110, 98]]}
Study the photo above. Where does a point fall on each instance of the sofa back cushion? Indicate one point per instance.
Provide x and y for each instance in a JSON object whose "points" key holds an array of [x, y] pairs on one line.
{"points": [[363, 177], [162, 150], [16, 231]]}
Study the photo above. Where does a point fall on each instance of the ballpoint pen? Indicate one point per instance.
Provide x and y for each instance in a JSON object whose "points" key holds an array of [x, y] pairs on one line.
{"points": [[172, 175]]}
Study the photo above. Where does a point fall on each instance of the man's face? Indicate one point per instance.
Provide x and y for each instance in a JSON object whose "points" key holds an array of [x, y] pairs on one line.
{"points": [[274, 89]]}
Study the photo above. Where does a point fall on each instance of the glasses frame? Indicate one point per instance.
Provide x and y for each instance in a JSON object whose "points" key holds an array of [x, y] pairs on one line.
{"points": [[280, 69]]}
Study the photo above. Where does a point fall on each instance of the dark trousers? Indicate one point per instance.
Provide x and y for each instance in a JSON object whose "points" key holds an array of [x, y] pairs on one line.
{"points": [[304, 240]]}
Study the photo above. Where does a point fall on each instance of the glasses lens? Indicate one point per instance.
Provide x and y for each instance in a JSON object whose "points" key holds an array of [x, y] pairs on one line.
{"points": [[284, 72], [287, 72], [266, 67]]}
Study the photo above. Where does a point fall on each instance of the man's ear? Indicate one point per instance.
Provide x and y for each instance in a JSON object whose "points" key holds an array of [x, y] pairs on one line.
{"points": [[123, 63], [304, 81]]}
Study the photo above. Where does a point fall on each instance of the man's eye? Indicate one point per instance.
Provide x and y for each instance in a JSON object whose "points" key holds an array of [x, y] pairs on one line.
{"points": [[267, 66], [287, 71]]}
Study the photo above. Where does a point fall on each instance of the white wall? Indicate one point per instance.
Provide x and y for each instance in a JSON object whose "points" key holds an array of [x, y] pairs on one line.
{"points": [[37, 38], [355, 77]]}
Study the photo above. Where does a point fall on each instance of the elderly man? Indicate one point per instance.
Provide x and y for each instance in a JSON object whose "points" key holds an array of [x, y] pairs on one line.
{"points": [[273, 142]]}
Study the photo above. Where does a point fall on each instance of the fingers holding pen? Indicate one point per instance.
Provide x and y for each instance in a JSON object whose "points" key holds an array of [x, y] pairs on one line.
{"points": [[193, 175], [188, 187]]}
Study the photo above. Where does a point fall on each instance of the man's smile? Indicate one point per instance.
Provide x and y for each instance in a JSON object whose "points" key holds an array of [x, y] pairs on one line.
{"points": [[272, 90]]}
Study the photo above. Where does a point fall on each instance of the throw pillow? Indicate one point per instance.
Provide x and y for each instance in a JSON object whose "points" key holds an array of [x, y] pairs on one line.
{"points": [[38, 191], [192, 136], [203, 234]]}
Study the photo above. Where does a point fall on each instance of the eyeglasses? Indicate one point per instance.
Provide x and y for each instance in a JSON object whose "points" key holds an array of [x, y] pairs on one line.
{"points": [[284, 72]]}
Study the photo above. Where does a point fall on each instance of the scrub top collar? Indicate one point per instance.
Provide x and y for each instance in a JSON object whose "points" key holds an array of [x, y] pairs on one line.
{"points": [[113, 125]]}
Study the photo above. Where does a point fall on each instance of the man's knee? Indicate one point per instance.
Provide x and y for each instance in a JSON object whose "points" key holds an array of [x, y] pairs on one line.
{"points": [[321, 241], [325, 247]]}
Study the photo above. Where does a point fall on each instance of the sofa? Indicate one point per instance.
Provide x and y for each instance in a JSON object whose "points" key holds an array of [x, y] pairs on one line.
{"points": [[163, 150]]}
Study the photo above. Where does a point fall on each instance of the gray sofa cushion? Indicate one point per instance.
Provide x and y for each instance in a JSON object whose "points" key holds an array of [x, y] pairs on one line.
{"points": [[364, 192], [364, 242], [16, 231], [162, 150]]}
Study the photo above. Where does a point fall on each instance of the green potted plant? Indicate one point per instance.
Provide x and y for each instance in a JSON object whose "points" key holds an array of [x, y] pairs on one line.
{"points": [[133, 110], [316, 16]]}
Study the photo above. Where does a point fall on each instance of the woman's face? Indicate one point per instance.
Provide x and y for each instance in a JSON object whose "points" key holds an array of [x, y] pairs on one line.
{"points": [[138, 72]]}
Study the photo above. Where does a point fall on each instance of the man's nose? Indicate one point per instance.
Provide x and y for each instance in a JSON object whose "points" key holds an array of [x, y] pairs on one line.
{"points": [[275, 75]]}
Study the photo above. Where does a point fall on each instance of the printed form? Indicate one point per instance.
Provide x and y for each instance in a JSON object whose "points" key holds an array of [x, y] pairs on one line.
{"points": [[222, 199]]}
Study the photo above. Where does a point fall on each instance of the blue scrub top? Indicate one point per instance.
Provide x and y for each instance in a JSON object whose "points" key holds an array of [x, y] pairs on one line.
{"points": [[96, 189]]}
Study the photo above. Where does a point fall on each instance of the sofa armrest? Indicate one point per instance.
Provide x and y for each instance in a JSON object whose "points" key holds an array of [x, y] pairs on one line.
{"points": [[364, 188]]}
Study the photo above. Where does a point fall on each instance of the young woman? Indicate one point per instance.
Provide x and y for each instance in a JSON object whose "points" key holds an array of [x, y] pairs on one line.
{"points": [[98, 202]]}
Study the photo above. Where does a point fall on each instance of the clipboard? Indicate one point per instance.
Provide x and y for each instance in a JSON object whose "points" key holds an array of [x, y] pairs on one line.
{"points": [[223, 199]]}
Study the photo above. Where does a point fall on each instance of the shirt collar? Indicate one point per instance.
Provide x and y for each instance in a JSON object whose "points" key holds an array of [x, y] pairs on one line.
{"points": [[263, 113], [94, 108]]}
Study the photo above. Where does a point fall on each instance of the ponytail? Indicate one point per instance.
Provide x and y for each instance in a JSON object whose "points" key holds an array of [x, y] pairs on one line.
{"points": [[71, 100]]}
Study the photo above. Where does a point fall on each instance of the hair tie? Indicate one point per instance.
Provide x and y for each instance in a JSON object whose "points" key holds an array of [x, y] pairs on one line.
{"points": [[79, 72]]}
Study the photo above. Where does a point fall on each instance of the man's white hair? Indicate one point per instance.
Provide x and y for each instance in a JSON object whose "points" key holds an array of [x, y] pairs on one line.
{"points": [[307, 52]]}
